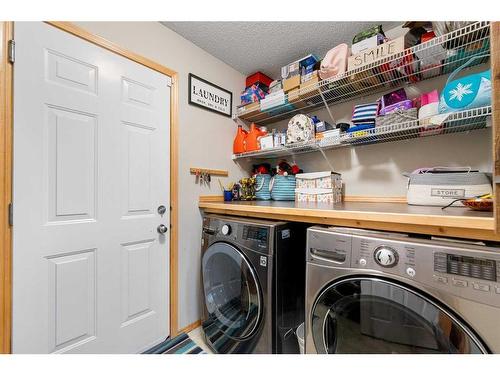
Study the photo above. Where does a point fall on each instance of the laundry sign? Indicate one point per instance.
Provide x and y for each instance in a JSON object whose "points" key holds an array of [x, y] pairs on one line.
{"points": [[209, 96]]}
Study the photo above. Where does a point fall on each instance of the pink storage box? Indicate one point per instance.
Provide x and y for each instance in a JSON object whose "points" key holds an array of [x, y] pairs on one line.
{"points": [[404, 105]]}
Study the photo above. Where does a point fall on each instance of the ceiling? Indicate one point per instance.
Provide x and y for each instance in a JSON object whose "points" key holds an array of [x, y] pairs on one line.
{"points": [[267, 46]]}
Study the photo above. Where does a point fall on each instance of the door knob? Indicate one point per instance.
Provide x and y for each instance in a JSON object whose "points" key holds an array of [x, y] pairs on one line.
{"points": [[162, 229]]}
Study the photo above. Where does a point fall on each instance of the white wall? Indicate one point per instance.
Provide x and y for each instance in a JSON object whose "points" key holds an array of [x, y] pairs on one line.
{"points": [[205, 138]]}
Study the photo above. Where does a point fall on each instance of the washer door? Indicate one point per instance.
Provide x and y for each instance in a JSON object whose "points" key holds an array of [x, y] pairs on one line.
{"points": [[232, 292], [371, 315]]}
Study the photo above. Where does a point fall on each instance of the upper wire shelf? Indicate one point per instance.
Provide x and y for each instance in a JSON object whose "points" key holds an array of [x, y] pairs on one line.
{"points": [[438, 56], [457, 122]]}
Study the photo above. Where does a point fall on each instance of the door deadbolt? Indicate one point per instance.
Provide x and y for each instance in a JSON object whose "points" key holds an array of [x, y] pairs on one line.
{"points": [[162, 229], [162, 209]]}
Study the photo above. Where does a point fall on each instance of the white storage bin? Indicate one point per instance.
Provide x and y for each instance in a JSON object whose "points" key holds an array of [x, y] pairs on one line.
{"points": [[440, 189]]}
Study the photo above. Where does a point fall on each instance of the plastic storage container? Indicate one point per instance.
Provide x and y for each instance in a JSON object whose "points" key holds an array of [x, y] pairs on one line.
{"points": [[300, 338]]}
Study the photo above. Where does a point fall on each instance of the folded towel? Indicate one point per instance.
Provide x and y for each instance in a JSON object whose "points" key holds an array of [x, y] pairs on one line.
{"points": [[364, 112], [359, 127]]}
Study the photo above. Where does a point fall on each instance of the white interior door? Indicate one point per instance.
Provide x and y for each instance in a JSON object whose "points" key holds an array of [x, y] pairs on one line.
{"points": [[91, 168]]}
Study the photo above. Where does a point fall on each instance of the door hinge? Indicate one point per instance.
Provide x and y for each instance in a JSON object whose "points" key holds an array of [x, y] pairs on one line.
{"points": [[11, 214], [12, 51]]}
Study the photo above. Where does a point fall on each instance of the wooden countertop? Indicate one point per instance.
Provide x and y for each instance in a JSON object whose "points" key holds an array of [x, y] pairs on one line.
{"points": [[453, 221]]}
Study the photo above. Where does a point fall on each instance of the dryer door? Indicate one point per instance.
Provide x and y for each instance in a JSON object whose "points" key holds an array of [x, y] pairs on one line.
{"points": [[372, 315], [232, 292]]}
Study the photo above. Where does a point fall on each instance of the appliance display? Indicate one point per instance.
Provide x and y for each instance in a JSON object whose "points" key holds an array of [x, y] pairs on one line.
{"points": [[391, 293], [477, 268], [253, 274], [255, 233]]}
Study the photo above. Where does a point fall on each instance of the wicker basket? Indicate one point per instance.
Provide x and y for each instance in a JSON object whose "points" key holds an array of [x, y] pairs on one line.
{"points": [[400, 116], [397, 117]]}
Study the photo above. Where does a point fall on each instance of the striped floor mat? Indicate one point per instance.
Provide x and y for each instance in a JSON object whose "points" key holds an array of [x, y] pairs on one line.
{"points": [[181, 344]]}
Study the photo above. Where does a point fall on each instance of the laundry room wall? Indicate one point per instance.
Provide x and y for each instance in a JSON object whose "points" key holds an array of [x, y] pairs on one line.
{"points": [[205, 138]]}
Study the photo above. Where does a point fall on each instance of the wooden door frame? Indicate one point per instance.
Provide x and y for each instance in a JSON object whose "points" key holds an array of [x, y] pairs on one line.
{"points": [[6, 75], [6, 167], [495, 77]]}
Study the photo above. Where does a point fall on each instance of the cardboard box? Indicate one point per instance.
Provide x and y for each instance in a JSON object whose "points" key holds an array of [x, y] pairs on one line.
{"points": [[293, 68], [248, 109], [290, 70], [294, 98], [291, 83], [310, 88], [373, 54], [368, 43], [266, 142], [251, 111], [321, 187], [309, 76]]}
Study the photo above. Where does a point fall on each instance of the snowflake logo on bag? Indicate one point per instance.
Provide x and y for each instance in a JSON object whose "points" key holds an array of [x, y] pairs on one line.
{"points": [[460, 91]]}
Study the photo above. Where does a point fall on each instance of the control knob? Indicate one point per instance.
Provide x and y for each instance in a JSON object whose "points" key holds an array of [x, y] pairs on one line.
{"points": [[226, 230], [386, 256]]}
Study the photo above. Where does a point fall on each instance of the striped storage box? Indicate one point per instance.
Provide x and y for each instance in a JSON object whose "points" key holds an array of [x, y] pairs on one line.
{"points": [[282, 188], [365, 112]]}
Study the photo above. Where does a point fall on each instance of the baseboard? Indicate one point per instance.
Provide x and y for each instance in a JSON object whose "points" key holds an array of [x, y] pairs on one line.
{"points": [[190, 327]]}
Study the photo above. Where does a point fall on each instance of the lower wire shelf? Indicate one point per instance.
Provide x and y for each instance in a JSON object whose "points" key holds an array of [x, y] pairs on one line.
{"points": [[456, 122]]}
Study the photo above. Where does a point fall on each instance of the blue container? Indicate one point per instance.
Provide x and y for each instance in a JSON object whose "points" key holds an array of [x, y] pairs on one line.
{"points": [[262, 192], [283, 188], [228, 195], [468, 92]]}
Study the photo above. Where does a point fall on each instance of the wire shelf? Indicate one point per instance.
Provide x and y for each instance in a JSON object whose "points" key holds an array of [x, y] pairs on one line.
{"points": [[438, 56], [456, 122]]}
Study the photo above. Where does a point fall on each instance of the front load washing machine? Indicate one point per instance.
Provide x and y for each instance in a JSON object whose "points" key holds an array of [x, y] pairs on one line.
{"points": [[376, 292], [253, 275]]}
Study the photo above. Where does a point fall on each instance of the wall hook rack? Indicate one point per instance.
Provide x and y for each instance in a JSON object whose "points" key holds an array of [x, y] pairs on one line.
{"points": [[212, 172]]}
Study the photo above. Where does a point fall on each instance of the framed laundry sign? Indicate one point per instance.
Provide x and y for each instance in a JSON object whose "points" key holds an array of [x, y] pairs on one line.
{"points": [[209, 96]]}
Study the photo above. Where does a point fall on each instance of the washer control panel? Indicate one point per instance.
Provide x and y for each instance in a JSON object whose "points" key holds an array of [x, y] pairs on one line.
{"points": [[257, 237], [391, 257], [477, 275], [465, 266], [466, 270]]}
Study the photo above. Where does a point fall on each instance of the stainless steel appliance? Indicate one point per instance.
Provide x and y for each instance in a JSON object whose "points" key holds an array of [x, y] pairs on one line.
{"points": [[253, 274], [377, 292]]}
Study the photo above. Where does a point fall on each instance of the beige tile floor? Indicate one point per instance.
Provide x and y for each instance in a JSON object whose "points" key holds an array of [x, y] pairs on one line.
{"points": [[197, 336]]}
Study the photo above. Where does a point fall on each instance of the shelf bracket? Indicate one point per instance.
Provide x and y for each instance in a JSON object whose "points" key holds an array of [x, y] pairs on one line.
{"points": [[327, 107], [330, 165], [240, 122]]}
